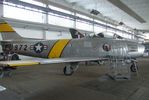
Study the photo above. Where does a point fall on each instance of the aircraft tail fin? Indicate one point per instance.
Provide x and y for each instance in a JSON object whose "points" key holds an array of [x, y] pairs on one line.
{"points": [[7, 32], [75, 33]]}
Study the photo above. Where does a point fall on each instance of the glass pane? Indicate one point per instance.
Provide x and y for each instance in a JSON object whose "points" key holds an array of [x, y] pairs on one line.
{"points": [[51, 35], [83, 16], [60, 9], [22, 14], [98, 21], [84, 26], [29, 33], [98, 29], [34, 2], [60, 21]]}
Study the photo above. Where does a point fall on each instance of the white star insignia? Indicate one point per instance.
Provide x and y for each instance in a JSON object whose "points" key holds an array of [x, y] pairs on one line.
{"points": [[38, 47]]}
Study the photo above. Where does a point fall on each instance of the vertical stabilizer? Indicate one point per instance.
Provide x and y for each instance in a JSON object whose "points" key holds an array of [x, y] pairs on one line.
{"points": [[7, 32]]}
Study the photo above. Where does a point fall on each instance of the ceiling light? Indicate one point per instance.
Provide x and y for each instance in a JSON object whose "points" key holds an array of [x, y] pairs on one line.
{"points": [[121, 23], [95, 12]]}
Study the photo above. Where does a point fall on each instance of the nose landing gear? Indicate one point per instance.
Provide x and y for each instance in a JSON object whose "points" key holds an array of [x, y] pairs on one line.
{"points": [[134, 67], [70, 69]]}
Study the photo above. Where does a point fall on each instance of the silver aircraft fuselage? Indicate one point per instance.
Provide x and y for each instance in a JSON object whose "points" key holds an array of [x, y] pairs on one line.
{"points": [[84, 47]]}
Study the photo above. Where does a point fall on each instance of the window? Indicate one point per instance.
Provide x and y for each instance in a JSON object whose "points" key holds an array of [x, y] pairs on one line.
{"points": [[51, 35], [84, 26], [60, 21], [83, 16], [34, 2], [20, 12], [60, 9], [98, 21], [146, 36], [98, 29], [30, 33]]}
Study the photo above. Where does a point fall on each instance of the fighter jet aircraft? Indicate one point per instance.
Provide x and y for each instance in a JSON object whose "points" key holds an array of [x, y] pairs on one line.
{"points": [[68, 51]]}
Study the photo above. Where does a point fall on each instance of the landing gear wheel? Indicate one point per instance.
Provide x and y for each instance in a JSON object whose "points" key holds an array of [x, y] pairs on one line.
{"points": [[68, 70], [133, 68], [100, 62], [15, 57]]}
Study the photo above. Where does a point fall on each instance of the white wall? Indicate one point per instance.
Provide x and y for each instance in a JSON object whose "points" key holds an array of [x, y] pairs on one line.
{"points": [[30, 33], [39, 34], [1, 10], [50, 35], [22, 14]]}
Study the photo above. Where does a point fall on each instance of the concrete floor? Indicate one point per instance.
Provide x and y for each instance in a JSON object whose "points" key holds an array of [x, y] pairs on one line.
{"points": [[47, 82]]}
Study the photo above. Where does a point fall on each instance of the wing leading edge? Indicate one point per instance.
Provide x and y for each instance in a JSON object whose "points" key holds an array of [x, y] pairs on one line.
{"points": [[45, 61]]}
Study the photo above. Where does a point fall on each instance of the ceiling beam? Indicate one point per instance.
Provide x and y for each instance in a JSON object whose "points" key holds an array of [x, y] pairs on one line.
{"points": [[65, 14], [127, 10], [38, 26], [144, 31], [72, 7]]}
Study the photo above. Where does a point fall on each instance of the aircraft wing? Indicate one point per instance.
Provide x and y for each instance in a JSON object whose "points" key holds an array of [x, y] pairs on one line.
{"points": [[45, 61]]}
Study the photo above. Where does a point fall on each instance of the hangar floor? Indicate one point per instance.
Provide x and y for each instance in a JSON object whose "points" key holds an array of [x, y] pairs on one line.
{"points": [[47, 82]]}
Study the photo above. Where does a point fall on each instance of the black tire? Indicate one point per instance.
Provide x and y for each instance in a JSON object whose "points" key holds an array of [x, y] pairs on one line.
{"points": [[15, 57], [66, 73], [100, 62], [133, 68]]}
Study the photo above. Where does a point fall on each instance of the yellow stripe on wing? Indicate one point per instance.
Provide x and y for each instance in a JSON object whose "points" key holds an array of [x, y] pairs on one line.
{"points": [[22, 63], [4, 27], [57, 49]]}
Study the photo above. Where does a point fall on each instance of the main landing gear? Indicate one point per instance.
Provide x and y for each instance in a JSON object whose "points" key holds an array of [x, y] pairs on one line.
{"points": [[6, 70], [70, 68], [121, 69], [134, 66]]}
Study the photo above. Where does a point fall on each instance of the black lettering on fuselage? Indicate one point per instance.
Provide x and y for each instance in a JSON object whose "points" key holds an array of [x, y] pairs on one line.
{"points": [[20, 47]]}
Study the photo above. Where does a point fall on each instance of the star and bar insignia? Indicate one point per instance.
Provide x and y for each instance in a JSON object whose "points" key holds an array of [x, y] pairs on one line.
{"points": [[38, 47]]}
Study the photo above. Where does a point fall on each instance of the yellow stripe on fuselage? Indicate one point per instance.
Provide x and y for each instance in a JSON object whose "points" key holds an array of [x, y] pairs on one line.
{"points": [[57, 49], [4, 27]]}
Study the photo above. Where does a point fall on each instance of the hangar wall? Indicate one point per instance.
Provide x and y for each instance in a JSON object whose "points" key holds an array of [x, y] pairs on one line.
{"points": [[34, 11], [29, 33], [39, 34], [42, 34], [60, 17], [1, 10], [57, 35], [1, 14]]}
